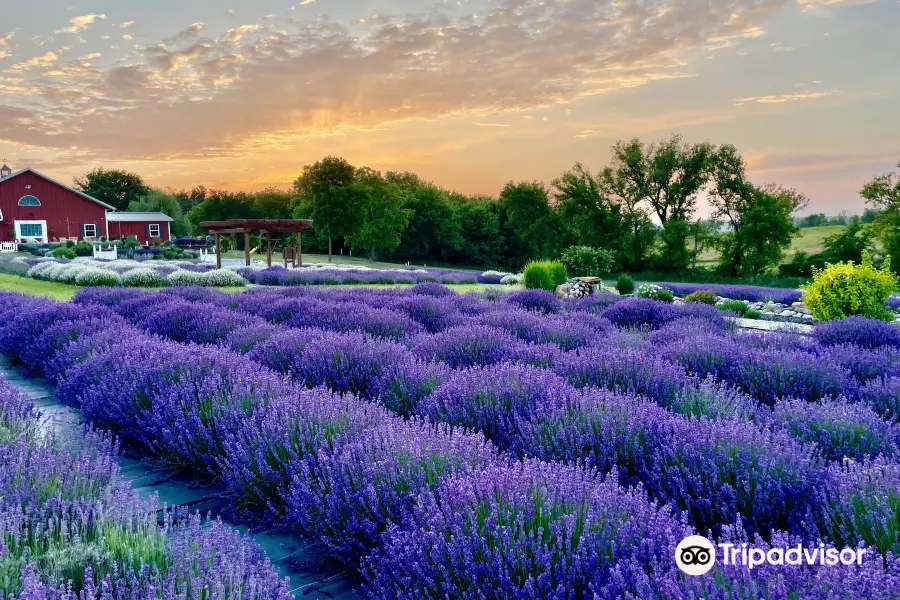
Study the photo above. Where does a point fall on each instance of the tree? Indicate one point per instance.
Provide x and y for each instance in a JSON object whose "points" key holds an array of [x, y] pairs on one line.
{"points": [[384, 217], [160, 201], [588, 216], [530, 220], [334, 213], [765, 228], [116, 187], [668, 176], [482, 238], [221, 205], [433, 232], [883, 193]]}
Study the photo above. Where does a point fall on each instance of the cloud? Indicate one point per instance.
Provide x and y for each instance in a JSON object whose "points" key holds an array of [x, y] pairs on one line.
{"points": [[128, 37], [490, 125], [783, 98], [237, 33], [126, 24], [814, 5], [6, 43], [46, 59], [79, 23], [200, 95], [588, 133], [306, 2]]}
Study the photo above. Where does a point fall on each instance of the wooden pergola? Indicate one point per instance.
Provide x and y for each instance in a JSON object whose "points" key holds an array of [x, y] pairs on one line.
{"points": [[267, 226]]}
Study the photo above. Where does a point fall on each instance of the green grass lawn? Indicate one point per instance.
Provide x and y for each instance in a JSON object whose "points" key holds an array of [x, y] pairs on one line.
{"points": [[65, 291], [810, 241], [36, 287]]}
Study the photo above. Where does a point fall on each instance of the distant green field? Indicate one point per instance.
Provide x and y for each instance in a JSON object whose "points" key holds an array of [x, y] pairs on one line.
{"points": [[809, 241]]}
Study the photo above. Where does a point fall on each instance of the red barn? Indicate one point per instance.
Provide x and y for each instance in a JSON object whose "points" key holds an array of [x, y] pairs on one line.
{"points": [[147, 227], [34, 207]]}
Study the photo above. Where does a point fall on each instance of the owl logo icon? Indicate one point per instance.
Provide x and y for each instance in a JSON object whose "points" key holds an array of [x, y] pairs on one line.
{"points": [[695, 555]]}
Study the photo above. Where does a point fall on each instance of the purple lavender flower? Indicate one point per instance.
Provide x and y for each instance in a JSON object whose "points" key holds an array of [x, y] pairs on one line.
{"points": [[750, 293], [861, 331], [640, 312], [883, 396], [494, 399], [625, 371], [540, 301], [196, 322], [529, 530], [353, 495], [839, 428]]}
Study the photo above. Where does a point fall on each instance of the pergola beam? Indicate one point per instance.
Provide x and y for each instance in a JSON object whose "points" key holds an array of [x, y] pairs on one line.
{"points": [[267, 226]]}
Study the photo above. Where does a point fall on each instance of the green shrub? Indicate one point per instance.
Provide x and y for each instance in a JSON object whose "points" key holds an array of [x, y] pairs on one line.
{"points": [[70, 244], [63, 253], [753, 314], [84, 249], [544, 275], [654, 292], [702, 297], [844, 289], [736, 306], [625, 284], [583, 261]]}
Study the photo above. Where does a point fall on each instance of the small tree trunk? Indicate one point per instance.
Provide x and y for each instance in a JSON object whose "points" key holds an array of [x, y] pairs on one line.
{"points": [[372, 255], [329, 248]]}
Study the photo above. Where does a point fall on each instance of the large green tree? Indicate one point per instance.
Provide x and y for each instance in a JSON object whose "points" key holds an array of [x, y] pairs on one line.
{"points": [[530, 220], [667, 176], [883, 193], [160, 201], [483, 242], [588, 216], [116, 187], [433, 232], [384, 217], [760, 219], [335, 212]]}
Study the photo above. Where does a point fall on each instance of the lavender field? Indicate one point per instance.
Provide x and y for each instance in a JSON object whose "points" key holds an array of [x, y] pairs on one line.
{"points": [[438, 445]]}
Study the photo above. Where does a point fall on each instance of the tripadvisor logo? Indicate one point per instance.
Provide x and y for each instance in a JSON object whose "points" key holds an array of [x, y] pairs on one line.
{"points": [[696, 555]]}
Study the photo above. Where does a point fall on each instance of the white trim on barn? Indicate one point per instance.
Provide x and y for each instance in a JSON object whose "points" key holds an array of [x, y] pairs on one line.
{"points": [[42, 176], [138, 217], [17, 225]]}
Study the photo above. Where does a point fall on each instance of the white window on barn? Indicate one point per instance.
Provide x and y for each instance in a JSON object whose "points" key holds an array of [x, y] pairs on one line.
{"points": [[29, 201], [90, 230], [153, 230], [31, 230]]}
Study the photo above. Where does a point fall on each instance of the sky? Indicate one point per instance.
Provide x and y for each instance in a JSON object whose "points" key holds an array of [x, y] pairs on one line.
{"points": [[469, 94]]}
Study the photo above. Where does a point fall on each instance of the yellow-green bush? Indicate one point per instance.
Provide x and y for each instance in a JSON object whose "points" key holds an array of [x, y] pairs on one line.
{"points": [[844, 289], [544, 275]]}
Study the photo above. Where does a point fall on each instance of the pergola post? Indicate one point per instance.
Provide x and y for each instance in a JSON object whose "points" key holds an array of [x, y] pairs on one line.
{"points": [[247, 248], [218, 251], [298, 258], [268, 250]]}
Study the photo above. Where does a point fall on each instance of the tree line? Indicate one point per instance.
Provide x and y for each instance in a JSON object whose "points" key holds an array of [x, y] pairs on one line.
{"points": [[642, 208]]}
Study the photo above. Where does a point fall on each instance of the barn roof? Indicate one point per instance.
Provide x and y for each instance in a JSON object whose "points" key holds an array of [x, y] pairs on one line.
{"points": [[137, 217], [42, 176]]}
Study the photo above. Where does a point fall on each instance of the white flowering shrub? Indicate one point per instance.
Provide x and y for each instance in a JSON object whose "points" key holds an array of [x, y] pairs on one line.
{"points": [[92, 277], [222, 278], [40, 270], [182, 277], [512, 279], [654, 292], [70, 272], [143, 277]]}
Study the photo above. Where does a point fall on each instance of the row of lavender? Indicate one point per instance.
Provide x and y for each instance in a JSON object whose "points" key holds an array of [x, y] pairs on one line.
{"points": [[71, 529], [279, 276], [313, 456]]}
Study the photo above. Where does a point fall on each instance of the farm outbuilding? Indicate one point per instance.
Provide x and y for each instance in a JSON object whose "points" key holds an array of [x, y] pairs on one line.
{"points": [[36, 208], [147, 227]]}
